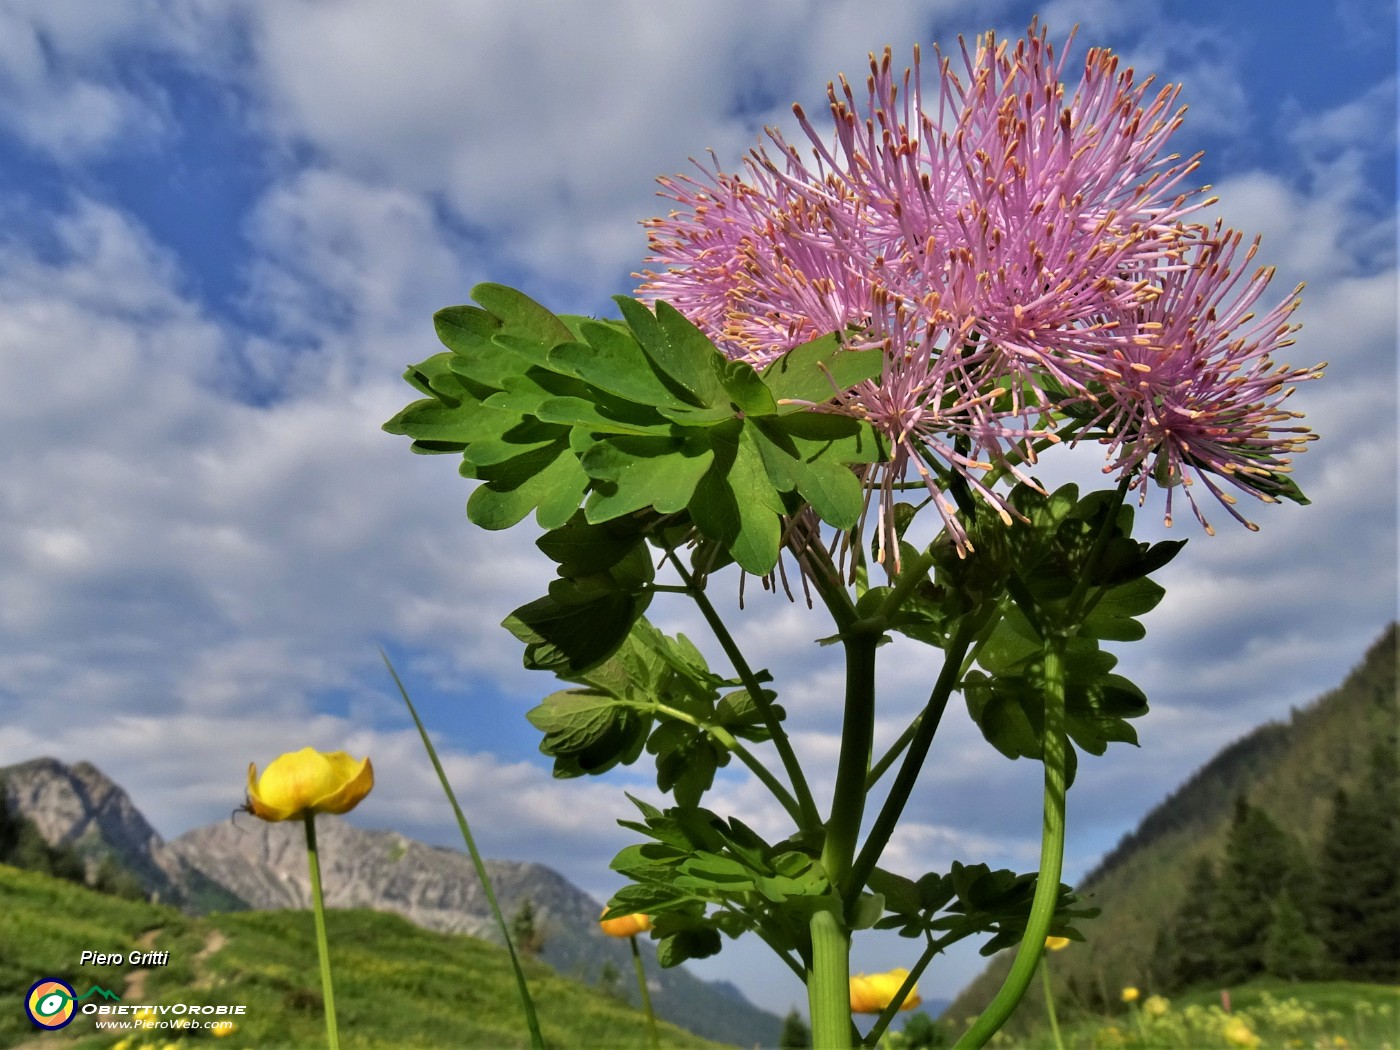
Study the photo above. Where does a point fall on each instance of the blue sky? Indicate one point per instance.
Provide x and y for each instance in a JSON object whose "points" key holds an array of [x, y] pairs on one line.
{"points": [[224, 228]]}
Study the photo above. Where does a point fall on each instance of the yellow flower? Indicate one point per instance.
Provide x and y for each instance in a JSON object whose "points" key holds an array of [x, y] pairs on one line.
{"points": [[1237, 1033], [872, 992], [224, 1028], [1130, 994], [625, 925], [308, 781], [1056, 944], [1155, 1006]]}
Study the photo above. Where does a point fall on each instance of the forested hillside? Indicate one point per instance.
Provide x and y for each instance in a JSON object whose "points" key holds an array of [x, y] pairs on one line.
{"points": [[1280, 855]]}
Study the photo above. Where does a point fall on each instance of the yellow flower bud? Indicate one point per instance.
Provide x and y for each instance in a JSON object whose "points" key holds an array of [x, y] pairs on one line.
{"points": [[1155, 1006], [1130, 994], [625, 925], [1056, 944], [308, 781], [872, 992]]}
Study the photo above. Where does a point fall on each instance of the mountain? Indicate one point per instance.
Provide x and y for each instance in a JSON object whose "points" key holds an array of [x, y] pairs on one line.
{"points": [[1290, 770], [253, 864]]}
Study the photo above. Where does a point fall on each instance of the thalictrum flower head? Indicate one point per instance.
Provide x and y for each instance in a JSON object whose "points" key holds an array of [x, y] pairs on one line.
{"points": [[1009, 242], [1191, 390]]}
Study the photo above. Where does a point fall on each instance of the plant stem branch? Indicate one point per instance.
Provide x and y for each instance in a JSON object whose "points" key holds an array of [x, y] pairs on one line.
{"points": [[731, 743], [1052, 851], [809, 818], [919, 743], [853, 764]]}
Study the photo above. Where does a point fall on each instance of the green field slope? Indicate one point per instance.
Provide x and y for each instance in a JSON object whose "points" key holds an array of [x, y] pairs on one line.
{"points": [[396, 985]]}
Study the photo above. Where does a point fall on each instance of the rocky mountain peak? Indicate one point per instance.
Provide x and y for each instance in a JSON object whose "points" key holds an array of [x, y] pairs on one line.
{"points": [[77, 805]]}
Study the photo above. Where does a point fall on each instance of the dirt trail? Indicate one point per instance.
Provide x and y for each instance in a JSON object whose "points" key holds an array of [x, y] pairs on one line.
{"points": [[135, 989]]}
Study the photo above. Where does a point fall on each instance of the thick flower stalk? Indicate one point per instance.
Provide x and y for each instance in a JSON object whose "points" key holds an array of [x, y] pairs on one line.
{"points": [[1013, 245]]}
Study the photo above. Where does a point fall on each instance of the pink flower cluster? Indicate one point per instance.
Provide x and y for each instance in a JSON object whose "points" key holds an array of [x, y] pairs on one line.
{"points": [[1028, 261]]}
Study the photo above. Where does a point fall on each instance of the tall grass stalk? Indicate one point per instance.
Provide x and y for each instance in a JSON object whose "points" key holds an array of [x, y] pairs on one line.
{"points": [[532, 1021]]}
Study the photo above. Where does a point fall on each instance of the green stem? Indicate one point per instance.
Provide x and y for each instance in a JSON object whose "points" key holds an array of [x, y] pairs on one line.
{"points": [[810, 819], [1052, 852], [646, 995], [919, 744], [829, 982], [1050, 1003], [731, 743], [853, 764], [872, 1037], [880, 768], [318, 906], [913, 574], [527, 1004]]}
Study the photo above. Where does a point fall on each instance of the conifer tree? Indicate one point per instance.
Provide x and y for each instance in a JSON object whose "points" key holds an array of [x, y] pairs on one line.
{"points": [[1261, 861], [525, 932], [1291, 949], [796, 1035], [1188, 944], [1359, 891]]}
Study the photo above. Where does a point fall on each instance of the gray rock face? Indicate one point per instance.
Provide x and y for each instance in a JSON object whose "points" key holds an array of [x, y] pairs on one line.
{"points": [[79, 806], [249, 863]]}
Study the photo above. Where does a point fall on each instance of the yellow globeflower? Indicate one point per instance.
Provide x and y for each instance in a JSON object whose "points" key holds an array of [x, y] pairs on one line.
{"points": [[1155, 1006], [625, 925], [224, 1028], [1130, 994], [872, 992], [308, 781], [1237, 1033], [1056, 944]]}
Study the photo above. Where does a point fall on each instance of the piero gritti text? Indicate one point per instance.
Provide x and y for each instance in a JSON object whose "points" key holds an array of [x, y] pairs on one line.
{"points": [[134, 958]]}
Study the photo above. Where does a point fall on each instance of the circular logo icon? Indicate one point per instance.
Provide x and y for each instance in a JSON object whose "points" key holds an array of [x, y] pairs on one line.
{"points": [[49, 1003]]}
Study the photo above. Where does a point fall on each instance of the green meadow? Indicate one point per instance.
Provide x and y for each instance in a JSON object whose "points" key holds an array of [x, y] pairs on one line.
{"points": [[396, 985]]}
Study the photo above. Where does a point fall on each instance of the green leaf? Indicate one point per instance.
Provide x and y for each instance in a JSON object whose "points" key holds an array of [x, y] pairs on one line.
{"points": [[612, 360], [570, 639], [818, 371], [637, 472], [867, 911], [547, 480], [687, 944], [521, 316], [1112, 618], [588, 732], [684, 353], [746, 390], [581, 549], [465, 329]]}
